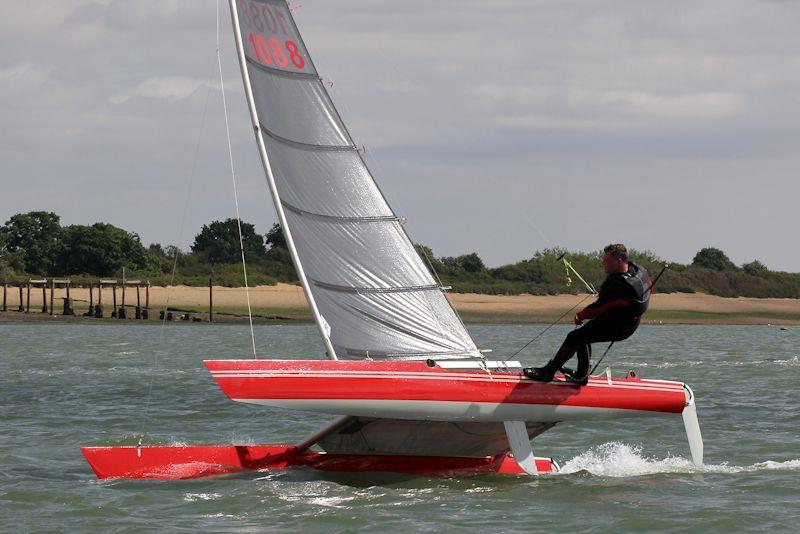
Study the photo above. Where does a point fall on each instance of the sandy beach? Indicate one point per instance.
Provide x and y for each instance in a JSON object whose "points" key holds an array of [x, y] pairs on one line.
{"points": [[289, 302]]}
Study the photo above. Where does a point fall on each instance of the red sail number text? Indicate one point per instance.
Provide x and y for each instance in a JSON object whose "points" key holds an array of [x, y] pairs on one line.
{"points": [[273, 50]]}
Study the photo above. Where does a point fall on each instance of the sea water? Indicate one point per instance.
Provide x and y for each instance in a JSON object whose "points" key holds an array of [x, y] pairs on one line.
{"points": [[67, 386]]}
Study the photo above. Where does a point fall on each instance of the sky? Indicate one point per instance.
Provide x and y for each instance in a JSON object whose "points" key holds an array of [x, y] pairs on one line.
{"points": [[499, 127]]}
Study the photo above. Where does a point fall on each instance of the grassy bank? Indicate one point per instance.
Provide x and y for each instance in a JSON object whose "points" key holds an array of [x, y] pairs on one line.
{"points": [[286, 303]]}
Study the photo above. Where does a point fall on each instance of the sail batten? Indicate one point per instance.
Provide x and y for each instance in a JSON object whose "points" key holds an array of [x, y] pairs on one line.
{"points": [[372, 294], [353, 289], [284, 73], [342, 219], [308, 146]]}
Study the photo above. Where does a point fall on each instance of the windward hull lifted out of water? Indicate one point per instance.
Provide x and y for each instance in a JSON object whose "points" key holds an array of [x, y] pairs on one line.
{"points": [[439, 391]]}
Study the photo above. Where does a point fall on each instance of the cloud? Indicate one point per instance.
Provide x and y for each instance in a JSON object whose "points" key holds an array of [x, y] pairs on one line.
{"points": [[575, 108], [476, 112], [168, 88], [24, 76], [683, 107]]}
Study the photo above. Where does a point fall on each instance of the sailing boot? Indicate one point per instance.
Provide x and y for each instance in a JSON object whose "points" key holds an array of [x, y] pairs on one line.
{"points": [[580, 376], [541, 374], [573, 377]]}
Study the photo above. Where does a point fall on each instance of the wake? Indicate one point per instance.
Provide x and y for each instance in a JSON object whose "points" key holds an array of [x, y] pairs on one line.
{"points": [[617, 459]]}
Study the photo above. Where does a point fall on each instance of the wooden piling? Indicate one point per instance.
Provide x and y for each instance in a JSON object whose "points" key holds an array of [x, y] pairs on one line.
{"points": [[21, 301], [98, 311], [90, 313], [68, 308], [146, 312], [114, 292], [210, 300], [52, 296], [28, 304], [5, 296], [121, 313], [44, 296]]}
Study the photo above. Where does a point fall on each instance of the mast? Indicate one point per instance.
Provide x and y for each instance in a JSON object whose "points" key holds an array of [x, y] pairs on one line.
{"points": [[262, 150]]}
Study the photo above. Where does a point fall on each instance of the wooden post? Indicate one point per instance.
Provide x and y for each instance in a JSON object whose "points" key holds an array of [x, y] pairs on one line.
{"points": [[44, 296], [21, 301], [28, 306], [69, 308], [5, 296], [99, 311], [122, 313], [52, 296], [91, 300], [210, 300], [114, 292]]}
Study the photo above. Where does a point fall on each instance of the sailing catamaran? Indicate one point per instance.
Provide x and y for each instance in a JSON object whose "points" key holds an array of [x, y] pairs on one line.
{"points": [[412, 392]]}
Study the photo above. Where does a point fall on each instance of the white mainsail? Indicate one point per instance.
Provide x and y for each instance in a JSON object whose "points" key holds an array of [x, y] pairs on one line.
{"points": [[371, 294]]}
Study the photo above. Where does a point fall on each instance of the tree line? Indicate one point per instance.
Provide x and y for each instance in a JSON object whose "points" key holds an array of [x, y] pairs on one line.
{"points": [[35, 244], [711, 271]]}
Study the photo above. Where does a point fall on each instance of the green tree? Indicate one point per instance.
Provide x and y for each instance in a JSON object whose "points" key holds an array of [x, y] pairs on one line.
{"points": [[11, 263], [277, 261], [714, 259], [167, 256], [102, 250], [36, 236], [472, 263], [755, 268], [275, 237], [218, 242], [430, 261], [157, 250]]}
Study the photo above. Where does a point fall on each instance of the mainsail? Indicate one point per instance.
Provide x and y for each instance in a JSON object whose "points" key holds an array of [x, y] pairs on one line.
{"points": [[370, 292]]}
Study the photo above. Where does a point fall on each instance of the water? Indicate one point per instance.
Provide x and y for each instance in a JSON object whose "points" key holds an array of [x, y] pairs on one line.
{"points": [[63, 386]]}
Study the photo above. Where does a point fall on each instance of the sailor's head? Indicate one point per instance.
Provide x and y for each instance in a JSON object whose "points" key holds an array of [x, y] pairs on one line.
{"points": [[615, 259]]}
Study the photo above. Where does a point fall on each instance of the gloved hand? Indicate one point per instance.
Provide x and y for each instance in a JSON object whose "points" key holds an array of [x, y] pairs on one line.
{"points": [[577, 320]]}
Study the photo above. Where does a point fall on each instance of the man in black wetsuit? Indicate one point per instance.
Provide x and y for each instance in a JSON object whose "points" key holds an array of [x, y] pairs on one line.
{"points": [[614, 316]]}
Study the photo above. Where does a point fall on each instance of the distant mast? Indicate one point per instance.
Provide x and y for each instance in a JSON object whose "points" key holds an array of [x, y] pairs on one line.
{"points": [[370, 293]]}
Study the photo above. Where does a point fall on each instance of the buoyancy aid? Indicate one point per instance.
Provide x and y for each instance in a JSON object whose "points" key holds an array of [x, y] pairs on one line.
{"points": [[623, 296], [638, 279]]}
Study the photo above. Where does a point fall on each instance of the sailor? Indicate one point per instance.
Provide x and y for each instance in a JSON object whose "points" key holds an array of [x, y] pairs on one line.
{"points": [[622, 300]]}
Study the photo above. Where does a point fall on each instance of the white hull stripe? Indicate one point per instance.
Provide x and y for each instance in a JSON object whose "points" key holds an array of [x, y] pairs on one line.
{"points": [[451, 410]]}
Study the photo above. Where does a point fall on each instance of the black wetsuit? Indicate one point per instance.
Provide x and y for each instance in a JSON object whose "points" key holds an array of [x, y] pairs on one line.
{"points": [[622, 300]]}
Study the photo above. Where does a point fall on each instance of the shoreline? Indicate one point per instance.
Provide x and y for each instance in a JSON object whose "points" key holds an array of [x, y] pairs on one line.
{"points": [[285, 303]]}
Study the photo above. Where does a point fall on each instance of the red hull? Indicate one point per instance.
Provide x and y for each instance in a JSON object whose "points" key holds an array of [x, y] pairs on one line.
{"points": [[183, 462], [387, 389], [396, 391]]}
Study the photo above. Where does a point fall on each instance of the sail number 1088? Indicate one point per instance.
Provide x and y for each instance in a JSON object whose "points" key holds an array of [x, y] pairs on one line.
{"points": [[262, 20], [272, 50]]}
